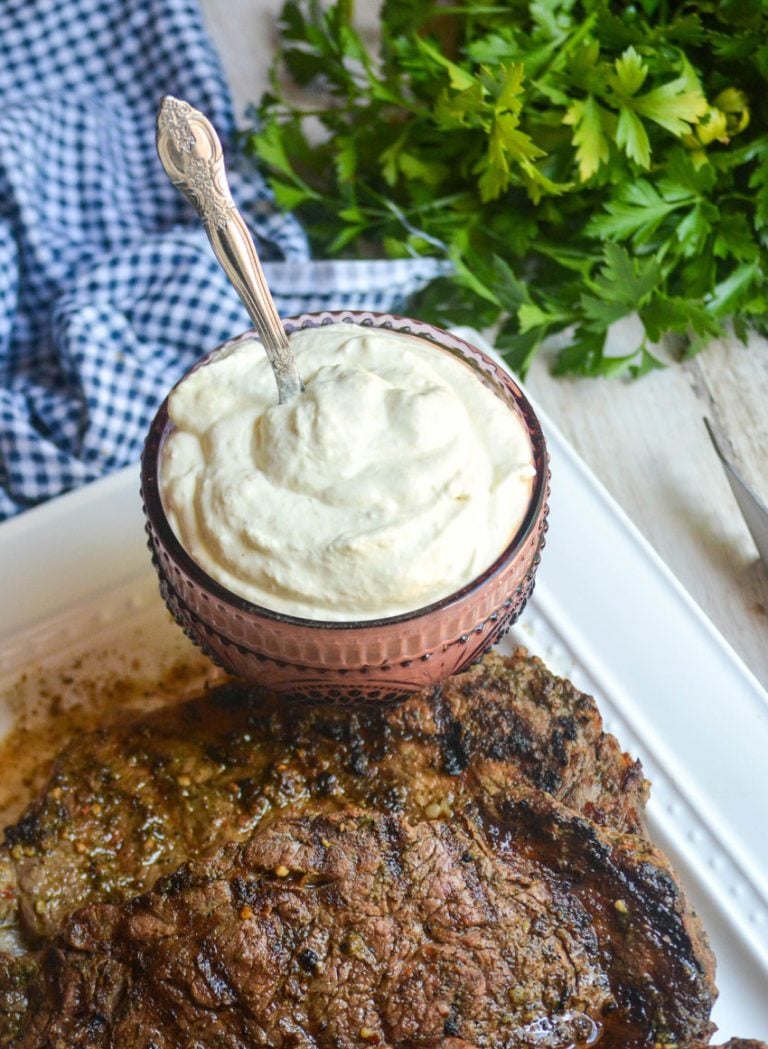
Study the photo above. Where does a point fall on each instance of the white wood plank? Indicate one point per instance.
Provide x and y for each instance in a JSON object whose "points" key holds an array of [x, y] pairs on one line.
{"points": [[646, 443]]}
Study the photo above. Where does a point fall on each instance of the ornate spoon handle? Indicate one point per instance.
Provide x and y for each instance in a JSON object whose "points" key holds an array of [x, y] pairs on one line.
{"points": [[190, 151]]}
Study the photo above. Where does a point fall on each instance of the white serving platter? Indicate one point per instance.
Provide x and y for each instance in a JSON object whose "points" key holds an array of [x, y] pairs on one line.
{"points": [[79, 594]]}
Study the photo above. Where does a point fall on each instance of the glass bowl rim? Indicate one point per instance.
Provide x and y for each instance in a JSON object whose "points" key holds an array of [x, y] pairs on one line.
{"points": [[150, 486]]}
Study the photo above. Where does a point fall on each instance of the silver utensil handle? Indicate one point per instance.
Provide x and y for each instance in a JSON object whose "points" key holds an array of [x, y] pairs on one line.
{"points": [[191, 153], [234, 249]]}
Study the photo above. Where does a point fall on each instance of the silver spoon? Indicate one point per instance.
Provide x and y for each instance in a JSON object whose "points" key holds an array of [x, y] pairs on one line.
{"points": [[190, 151], [753, 509]]}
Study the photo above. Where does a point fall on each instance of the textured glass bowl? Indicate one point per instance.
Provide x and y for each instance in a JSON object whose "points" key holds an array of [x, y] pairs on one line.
{"points": [[350, 662]]}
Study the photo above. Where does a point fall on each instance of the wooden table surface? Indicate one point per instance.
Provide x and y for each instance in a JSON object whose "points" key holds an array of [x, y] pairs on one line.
{"points": [[644, 440]]}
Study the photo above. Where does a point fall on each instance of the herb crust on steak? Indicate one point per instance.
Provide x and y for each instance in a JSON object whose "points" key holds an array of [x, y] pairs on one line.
{"points": [[346, 929], [127, 804], [467, 870]]}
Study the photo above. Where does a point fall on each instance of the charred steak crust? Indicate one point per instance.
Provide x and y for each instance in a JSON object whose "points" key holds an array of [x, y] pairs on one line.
{"points": [[127, 804], [349, 929], [466, 870], [662, 970], [742, 1043]]}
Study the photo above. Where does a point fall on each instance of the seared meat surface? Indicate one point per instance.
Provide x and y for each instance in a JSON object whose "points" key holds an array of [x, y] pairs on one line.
{"points": [[125, 805], [465, 870], [350, 929]]}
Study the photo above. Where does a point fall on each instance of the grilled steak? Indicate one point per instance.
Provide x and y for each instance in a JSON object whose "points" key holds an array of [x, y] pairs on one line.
{"points": [[499, 928], [128, 804], [466, 870]]}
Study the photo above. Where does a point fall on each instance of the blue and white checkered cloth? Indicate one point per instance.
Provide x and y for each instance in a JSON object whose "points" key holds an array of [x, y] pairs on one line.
{"points": [[108, 287]]}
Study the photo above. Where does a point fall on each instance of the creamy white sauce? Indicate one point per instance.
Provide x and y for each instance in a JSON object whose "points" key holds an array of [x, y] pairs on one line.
{"points": [[393, 480]]}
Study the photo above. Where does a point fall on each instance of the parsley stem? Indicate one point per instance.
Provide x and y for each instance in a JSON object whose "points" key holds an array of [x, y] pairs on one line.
{"points": [[564, 52]]}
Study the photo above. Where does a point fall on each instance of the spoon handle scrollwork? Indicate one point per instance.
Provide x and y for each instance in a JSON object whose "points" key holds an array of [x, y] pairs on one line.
{"points": [[190, 151]]}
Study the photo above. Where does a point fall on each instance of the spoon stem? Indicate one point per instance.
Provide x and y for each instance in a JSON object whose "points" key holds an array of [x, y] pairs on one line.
{"points": [[191, 153]]}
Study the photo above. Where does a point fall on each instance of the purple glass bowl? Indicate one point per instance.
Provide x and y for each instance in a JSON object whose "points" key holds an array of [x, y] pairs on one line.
{"points": [[351, 662]]}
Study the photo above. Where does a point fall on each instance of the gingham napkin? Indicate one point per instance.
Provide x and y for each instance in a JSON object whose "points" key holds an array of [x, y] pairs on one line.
{"points": [[108, 287]]}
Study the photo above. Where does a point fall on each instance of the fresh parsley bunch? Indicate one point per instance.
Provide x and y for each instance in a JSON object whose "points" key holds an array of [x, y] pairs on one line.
{"points": [[577, 160]]}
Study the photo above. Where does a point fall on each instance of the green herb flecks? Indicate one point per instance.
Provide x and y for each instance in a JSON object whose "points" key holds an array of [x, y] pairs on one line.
{"points": [[577, 161]]}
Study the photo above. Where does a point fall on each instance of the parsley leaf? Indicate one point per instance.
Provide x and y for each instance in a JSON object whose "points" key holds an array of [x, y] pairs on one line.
{"points": [[575, 161], [587, 119]]}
